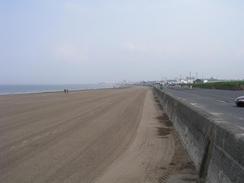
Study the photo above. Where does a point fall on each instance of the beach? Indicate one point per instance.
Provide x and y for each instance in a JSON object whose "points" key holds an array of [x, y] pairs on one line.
{"points": [[102, 136]]}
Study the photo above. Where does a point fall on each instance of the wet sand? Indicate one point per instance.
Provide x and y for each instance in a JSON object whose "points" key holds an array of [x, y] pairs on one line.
{"points": [[112, 135]]}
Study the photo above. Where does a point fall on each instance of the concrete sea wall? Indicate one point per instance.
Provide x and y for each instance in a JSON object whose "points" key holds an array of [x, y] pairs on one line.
{"points": [[216, 147]]}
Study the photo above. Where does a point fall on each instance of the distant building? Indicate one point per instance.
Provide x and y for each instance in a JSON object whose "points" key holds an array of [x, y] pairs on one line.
{"points": [[205, 81], [198, 81], [182, 81]]}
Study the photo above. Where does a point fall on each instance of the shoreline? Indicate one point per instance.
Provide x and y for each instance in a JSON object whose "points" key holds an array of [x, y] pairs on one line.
{"points": [[53, 91], [6, 90]]}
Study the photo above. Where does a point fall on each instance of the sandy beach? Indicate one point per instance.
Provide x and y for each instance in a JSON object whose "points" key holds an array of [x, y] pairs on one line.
{"points": [[102, 136]]}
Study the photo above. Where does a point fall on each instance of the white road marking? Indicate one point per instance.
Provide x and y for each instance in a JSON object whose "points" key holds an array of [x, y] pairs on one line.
{"points": [[216, 113], [221, 101], [194, 104], [240, 135]]}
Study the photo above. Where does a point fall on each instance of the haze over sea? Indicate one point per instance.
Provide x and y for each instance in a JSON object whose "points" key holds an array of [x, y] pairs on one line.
{"points": [[21, 89]]}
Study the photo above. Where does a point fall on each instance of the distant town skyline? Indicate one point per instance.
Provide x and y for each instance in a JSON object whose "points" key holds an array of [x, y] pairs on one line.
{"points": [[71, 41]]}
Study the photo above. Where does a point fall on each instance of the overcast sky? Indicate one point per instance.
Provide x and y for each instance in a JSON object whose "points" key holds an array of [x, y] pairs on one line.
{"points": [[90, 41]]}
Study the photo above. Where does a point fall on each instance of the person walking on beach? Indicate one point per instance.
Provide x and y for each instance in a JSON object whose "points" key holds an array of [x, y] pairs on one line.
{"points": [[66, 91]]}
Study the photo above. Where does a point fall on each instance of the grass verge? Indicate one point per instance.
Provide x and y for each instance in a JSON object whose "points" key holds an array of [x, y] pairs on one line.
{"points": [[225, 85]]}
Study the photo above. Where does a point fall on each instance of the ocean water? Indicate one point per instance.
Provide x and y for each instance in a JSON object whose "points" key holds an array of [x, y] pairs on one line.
{"points": [[21, 89]]}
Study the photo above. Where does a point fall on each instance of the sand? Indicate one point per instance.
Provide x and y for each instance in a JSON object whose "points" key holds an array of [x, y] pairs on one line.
{"points": [[110, 135]]}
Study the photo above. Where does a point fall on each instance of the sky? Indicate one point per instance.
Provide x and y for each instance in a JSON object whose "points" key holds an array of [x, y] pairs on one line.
{"points": [[75, 42]]}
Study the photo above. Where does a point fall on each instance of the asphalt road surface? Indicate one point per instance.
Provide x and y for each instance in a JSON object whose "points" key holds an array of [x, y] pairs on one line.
{"points": [[103, 136], [219, 103]]}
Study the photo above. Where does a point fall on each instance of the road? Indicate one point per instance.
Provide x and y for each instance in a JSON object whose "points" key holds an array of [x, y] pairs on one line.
{"points": [[101, 136], [219, 103]]}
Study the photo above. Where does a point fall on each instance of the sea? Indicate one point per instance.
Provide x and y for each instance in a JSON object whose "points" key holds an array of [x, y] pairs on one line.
{"points": [[23, 89]]}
